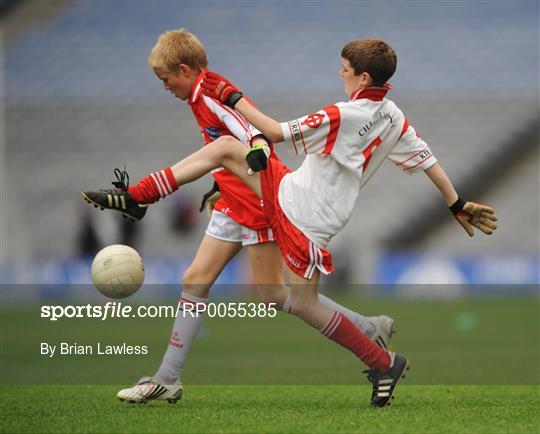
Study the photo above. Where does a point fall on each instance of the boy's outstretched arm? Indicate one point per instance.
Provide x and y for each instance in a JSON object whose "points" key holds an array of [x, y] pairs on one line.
{"points": [[469, 215], [439, 177], [218, 87]]}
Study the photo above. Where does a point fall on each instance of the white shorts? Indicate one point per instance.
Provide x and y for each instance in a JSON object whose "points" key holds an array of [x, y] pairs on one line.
{"points": [[222, 227]]}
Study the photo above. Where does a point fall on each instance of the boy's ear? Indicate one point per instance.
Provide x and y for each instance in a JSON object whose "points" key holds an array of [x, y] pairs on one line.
{"points": [[184, 70], [366, 79]]}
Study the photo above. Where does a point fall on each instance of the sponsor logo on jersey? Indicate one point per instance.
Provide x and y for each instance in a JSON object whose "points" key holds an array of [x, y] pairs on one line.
{"points": [[376, 117], [213, 132], [313, 121]]}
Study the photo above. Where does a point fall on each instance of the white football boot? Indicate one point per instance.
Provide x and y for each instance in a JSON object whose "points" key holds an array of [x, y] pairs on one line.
{"points": [[147, 389], [385, 327]]}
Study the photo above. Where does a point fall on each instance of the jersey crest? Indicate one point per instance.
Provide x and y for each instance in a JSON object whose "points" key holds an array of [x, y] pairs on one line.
{"points": [[213, 132], [313, 121]]}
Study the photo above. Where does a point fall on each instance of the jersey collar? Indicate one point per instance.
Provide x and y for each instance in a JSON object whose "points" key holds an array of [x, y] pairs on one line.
{"points": [[196, 90], [372, 93]]}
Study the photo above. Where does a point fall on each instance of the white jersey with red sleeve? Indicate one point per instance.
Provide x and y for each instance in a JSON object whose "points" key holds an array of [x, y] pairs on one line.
{"points": [[345, 143], [215, 120]]}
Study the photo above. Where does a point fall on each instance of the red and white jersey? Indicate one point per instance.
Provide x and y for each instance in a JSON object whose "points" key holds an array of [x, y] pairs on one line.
{"points": [[345, 143], [215, 120]]}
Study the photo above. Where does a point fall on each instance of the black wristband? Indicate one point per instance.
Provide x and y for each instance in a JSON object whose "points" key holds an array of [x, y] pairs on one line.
{"points": [[233, 99], [457, 206], [262, 136]]}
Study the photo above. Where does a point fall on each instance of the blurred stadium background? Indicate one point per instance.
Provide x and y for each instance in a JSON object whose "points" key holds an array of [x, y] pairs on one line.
{"points": [[78, 100]]}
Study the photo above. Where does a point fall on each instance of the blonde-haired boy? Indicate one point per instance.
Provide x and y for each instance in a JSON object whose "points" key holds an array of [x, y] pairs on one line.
{"points": [[176, 47]]}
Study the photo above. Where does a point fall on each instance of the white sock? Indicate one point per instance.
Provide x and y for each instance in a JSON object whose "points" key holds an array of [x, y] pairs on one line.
{"points": [[186, 326], [361, 322]]}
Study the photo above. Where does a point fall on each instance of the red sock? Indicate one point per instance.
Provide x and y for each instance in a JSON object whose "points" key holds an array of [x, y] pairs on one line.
{"points": [[341, 330], [154, 187]]}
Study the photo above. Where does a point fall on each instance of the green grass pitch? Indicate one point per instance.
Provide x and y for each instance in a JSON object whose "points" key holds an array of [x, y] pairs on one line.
{"points": [[474, 369], [273, 409]]}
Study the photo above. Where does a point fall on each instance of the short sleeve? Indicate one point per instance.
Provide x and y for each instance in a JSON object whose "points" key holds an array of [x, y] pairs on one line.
{"points": [[411, 153], [315, 133]]}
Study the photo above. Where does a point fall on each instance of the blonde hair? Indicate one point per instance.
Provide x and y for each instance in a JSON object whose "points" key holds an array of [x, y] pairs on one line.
{"points": [[176, 47]]}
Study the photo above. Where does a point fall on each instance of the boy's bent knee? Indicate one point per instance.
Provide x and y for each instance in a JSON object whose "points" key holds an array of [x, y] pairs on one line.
{"points": [[302, 306], [196, 282], [273, 294], [228, 147], [299, 310]]}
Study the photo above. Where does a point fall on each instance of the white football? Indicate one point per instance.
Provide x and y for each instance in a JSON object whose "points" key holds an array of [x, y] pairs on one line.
{"points": [[118, 271]]}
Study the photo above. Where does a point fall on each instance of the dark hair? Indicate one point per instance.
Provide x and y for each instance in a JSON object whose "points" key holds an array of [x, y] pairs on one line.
{"points": [[373, 56]]}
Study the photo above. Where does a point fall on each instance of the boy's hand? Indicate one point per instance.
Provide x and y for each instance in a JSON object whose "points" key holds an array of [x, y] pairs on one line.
{"points": [[257, 158], [472, 215], [218, 87]]}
